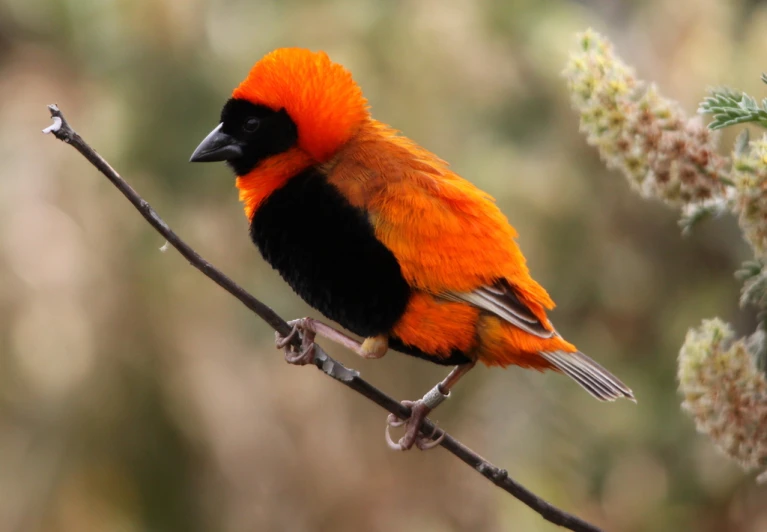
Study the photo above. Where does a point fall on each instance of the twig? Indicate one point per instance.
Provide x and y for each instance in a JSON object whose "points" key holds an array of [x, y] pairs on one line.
{"points": [[350, 377]]}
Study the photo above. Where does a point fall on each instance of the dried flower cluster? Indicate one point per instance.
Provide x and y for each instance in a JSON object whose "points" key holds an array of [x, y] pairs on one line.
{"points": [[749, 174], [725, 393], [665, 155], [662, 153]]}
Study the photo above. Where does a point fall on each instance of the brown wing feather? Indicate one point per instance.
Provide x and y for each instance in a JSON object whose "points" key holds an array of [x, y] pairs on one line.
{"points": [[501, 300]]}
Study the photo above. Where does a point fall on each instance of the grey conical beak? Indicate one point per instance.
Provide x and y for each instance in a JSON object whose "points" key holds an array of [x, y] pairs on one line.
{"points": [[217, 146]]}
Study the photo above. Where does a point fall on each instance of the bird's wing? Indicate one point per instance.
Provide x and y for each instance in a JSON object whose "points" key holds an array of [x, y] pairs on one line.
{"points": [[449, 237], [501, 301]]}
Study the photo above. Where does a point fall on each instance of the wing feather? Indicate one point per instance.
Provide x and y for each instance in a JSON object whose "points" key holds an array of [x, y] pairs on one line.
{"points": [[447, 235], [501, 301]]}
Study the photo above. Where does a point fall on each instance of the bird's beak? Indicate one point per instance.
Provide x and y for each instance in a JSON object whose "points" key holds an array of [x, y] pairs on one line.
{"points": [[217, 146]]}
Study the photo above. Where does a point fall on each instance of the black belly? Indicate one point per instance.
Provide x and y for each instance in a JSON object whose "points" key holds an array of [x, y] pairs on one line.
{"points": [[327, 251]]}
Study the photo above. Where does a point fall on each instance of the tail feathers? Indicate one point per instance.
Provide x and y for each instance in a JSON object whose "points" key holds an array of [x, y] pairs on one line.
{"points": [[594, 378]]}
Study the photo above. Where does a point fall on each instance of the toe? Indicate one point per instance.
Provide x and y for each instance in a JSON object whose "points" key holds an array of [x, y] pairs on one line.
{"points": [[426, 443], [394, 421], [394, 446], [408, 440], [282, 341], [412, 436], [306, 356]]}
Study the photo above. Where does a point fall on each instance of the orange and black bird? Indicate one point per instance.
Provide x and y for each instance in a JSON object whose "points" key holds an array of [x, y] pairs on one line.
{"points": [[380, 236]]}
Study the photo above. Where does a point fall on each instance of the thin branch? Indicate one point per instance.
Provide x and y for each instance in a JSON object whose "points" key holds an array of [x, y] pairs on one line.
{"points": [[350, 377]]}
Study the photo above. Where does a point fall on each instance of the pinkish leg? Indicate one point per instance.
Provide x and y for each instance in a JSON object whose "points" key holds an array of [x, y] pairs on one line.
{"points": [[373, 347], [419, 410]]}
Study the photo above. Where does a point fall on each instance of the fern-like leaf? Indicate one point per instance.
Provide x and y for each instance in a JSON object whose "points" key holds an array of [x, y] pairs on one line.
{"points": [[729, 107]]}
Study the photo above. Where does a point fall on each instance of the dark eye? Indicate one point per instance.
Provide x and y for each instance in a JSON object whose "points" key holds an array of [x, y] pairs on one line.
{"points": [[251, 124]]}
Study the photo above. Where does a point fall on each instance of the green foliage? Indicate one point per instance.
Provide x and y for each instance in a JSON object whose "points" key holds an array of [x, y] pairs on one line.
{"points": [[754, 279], [694, 213], [730, 107], [741, 144]]}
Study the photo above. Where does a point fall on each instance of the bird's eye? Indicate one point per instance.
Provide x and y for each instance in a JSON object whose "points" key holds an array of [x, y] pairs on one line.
{"points": [[251, 124]]}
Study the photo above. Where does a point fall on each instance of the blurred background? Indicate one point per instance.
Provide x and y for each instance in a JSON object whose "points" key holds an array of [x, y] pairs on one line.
{"points": [[137, 395]]}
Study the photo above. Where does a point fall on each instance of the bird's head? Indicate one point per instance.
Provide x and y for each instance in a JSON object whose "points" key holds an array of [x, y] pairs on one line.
{"points": [[292, 98]]}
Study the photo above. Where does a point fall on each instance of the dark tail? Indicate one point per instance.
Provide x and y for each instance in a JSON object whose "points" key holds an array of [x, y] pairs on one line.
{"points": [[594, 378]]}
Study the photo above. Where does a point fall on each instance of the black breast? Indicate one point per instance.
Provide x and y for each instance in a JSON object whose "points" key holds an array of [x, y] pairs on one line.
{"points": [[327, 251]]}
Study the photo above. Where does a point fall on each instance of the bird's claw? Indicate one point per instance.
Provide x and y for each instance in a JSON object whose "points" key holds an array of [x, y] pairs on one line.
{"points": [[281, 342], [292, 355], [302, 358], [413, 434]]}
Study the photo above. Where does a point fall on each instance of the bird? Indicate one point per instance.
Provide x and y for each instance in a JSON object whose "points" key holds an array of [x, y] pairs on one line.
{"points": [[381, 237]]}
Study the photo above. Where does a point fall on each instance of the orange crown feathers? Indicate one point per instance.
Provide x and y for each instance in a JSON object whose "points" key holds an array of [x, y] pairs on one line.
{"points": [[320, 96]]}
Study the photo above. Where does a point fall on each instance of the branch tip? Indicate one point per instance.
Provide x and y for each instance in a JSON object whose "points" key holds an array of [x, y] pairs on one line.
{"points": [[57, 122], [61, 130]]}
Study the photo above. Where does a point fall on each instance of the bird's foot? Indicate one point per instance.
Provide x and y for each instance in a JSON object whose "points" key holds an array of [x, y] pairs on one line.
{"points": [[306, 353], [413, 435]]}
